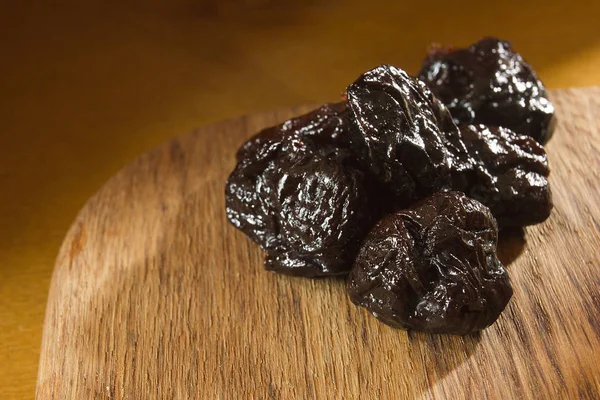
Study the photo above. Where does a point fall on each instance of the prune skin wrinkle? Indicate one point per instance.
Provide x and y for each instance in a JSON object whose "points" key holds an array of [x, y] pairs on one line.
{"points": [[508, 173], [398, 124], [489, 83], [407, 140], [298, 192], [433, 267]]}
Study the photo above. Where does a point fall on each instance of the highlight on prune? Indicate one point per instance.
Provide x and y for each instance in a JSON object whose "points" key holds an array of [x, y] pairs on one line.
{"points": [[489, 83], [433, 267], [508, 173], [407, 140], [397, 122], [326, 126], [298, 193]]}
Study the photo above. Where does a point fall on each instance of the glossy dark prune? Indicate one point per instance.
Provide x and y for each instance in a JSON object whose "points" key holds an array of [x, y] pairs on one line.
{"points": [[489, 83], [298, 193], [325, 127], [398, 123], [410, 143], [508, 173], [322, 216], [433, 267]]}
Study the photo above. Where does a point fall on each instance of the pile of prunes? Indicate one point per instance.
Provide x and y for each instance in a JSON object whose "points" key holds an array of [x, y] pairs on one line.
{"points": [[404, 185]]}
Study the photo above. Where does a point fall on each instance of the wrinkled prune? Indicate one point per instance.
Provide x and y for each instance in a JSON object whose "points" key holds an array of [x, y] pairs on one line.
{"points": [[489, 83], [396, 119], [325, 127], [406, 138], [507, 173], [322, 215], [433, 267], [298, 193]]}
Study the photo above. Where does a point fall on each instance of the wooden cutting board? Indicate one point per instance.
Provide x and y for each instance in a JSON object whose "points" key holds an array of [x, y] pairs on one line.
{"points": [[156, 296]]}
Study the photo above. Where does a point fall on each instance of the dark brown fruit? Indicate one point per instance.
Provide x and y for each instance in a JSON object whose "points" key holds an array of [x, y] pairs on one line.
{"points": [[433, 267], [324, 127], [489, 83], [322, 215], [398, 124], [298, 193], [508, 173], [406, 138]]}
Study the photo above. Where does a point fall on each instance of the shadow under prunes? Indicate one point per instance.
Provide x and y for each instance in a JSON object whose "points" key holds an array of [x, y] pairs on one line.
{"points": [[511, 243]]}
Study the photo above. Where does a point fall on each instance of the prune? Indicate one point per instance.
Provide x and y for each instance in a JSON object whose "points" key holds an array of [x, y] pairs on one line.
{"points": [[325, 126], [507, 173], [489, 83], [395, 118], [433, 267], [298, 193], [323, 215], [405, 138]]}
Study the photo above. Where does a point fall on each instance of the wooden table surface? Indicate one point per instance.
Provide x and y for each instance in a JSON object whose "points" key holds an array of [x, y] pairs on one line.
{"points": [[87, 86], [155, 295]]}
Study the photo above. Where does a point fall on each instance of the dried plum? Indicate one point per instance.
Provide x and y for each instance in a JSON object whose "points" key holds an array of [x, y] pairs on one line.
{"points": [[322, 215], [433, 267], [508, 173], [326, 126], [489, 83], [395, 118], [299, 194], [405, 137]]}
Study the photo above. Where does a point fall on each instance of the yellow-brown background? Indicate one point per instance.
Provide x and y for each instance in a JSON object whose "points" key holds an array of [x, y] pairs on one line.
{"points": [[87, 86]]}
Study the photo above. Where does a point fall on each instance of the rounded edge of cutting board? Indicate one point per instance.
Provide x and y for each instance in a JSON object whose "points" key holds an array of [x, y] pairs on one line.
{"points": [[154, 291]]}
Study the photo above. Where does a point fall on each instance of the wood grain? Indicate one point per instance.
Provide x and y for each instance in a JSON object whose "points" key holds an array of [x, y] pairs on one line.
{"points": [[154, 295], [87, 86]]}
